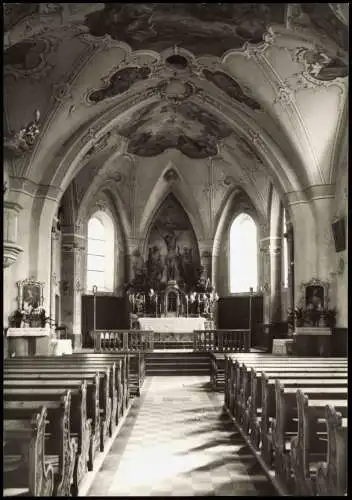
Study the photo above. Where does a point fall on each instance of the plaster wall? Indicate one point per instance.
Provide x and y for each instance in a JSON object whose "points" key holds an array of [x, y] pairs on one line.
{"points": [[340, 270]]}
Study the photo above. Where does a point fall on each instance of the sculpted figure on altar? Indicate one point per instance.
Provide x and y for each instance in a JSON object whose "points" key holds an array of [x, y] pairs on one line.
{"points": [[171, 260], [155, 265]]}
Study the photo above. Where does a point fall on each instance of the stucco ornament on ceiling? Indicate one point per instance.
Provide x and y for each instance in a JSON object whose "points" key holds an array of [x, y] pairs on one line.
{"points": [[19, 143], [159, 26]]}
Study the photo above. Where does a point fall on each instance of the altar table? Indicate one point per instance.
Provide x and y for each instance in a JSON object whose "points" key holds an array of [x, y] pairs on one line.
{"points": [[173, 329]]}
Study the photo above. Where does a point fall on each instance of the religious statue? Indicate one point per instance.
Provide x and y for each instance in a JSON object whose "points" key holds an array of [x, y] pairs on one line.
{"points": [[171, 257]]}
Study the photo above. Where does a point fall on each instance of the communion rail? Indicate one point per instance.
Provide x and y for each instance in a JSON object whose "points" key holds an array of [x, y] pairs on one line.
{"points": [[123, 340], [222, 340]]}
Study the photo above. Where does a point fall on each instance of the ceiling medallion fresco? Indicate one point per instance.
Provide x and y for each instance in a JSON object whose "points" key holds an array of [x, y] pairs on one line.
{"points": [[158, 26], [16, 12], [320, 66], [29, 58], [183, 126], [231, 88], [120, 82], [326, 23]]}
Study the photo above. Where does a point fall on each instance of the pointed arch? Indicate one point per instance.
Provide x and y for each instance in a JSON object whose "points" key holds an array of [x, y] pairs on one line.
{"points": [[184, 196], [243, 258]]}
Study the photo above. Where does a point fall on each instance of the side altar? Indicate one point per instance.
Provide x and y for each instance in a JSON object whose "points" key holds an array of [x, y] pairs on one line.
{"points": [[31, 333]]}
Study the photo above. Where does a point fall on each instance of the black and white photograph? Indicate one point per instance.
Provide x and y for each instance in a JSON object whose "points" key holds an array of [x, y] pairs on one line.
{"points": [[175, 249]]}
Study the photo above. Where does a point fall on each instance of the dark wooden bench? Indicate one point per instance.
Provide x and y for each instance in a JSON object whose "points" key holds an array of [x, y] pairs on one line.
{"points": [[80, 425], [287, 425], [26, 471], [250, 398], [116, 392], [108, 358], [93, 410], [331, 476], [307, 450], [60, 448], [52, 369]]}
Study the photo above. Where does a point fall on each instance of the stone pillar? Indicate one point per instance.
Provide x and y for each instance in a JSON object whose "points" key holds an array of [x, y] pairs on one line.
{"points": [[291, 265], [11, 248], [325, 245], [305, 246], [71, 284], [265, 275], [53, 277], [275, 279]]}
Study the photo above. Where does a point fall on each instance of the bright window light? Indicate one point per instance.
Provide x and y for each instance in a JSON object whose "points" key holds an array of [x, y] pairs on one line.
{"points": [[243, 254], [100, 253]]}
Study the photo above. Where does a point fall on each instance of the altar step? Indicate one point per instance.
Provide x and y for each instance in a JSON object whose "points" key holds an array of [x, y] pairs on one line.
{"points": [[177, 363]]}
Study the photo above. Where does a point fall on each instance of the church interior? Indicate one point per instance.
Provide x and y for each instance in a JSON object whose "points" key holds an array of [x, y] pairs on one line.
{"points": [[175, 227]]}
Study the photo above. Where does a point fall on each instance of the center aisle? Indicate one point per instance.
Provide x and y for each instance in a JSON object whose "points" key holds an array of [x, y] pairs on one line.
{"points": [[177, 441]]}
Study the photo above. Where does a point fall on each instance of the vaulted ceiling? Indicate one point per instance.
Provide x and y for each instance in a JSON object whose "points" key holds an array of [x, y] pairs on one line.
{"points": [[260, 89]]}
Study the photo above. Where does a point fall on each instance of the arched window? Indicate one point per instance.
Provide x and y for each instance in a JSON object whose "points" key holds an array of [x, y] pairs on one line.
{"points": [[243, 254], [285, 252], [100, 253]]}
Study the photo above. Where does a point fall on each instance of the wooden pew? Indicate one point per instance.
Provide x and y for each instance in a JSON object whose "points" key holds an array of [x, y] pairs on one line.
{"points": [[60, 447], [284, 426], [93, 411], [234, 373], [243, 375], [107, 358], [217, 371], [254, 410], [27, 470], [331, 478], [53, 370], [135, 370], [115, 391], [306, 449], [239, 376], [81, 426]]}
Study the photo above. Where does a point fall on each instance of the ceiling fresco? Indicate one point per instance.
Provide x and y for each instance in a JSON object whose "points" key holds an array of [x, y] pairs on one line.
{"points": [[25, 55], [322, 67], [183, 126], [160, 26], [231, 88], [16, 12], [324, 20], [120, 82]]}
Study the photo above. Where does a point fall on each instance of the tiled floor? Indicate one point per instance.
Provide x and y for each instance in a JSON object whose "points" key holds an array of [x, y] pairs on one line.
{"points": [[177, 441]]}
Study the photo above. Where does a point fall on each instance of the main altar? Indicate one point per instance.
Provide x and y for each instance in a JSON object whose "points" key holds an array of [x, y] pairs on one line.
{"points": [[175, 330]]}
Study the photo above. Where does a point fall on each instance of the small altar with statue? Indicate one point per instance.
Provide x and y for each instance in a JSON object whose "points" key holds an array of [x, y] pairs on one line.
{"points": [[30, 332]]}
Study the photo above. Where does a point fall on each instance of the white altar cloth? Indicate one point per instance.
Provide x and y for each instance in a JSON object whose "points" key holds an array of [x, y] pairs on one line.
{"points": [[172, 325], [28, 332]]}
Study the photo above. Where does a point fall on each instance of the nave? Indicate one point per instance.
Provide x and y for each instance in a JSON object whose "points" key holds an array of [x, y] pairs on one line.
{"points": [[177, 440]]}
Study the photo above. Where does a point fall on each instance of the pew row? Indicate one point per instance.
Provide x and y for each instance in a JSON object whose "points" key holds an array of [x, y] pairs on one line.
{"points": [[27, 470], [261, 397], [60, 447]]}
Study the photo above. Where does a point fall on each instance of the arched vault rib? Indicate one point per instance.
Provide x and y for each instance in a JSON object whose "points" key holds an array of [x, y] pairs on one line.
{"points": [[95, 129], [106, 183]]}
